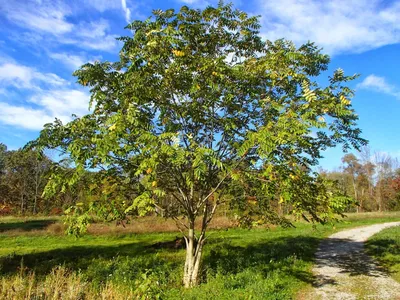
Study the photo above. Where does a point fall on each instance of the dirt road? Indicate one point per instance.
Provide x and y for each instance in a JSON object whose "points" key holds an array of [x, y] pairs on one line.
{"points": [[344, 271]]}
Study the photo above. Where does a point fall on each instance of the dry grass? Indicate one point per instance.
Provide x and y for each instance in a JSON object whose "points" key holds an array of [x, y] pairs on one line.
{"points": [[149, 224], [154, 224], [36, 226], [372, 215], [59, 284]]}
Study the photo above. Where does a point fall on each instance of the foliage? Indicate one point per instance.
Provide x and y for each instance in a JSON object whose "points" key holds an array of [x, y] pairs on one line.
{"points": [[372, 181], [198, 103], [23, 176]]}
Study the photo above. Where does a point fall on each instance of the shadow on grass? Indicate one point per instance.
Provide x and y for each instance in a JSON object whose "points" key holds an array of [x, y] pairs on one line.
{"points": [[26, 225], [74, 258], [289, 256], [380, 248], [285, 254]]}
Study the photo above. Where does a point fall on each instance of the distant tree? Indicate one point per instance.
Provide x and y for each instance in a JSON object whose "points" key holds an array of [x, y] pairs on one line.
{"points": [[369, 168], [3, 152], [354, 169], [386, 167], [198, 104], [25, 176]]}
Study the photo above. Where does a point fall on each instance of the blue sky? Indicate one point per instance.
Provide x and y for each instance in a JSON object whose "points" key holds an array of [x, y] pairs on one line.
{"points": [[42, 42]]}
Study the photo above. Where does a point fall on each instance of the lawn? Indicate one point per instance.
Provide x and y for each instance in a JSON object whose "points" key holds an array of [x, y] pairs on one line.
{"points": [[385, 248], [238, 263]]}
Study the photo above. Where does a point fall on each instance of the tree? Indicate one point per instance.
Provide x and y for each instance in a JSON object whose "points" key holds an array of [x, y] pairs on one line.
{"points": [[198, 103], [3, 151], [369, 168], [386, 167], [353, 168], [25, 177]]}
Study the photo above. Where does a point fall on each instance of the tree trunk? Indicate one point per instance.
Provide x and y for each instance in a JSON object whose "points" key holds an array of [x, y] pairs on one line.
{"points": [[355, 192], [36, 187], [193, 258]]}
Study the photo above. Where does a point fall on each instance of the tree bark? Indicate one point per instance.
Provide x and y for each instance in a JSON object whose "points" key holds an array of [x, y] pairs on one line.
{"points": [[194, 249]]}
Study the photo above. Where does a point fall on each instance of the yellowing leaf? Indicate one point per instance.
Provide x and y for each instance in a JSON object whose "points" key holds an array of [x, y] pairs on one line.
{"points": [[112, 127], [178, 53], [280, 199], [152, 43], [149, 170], [344, 100], [154, 184], [214, 73]]}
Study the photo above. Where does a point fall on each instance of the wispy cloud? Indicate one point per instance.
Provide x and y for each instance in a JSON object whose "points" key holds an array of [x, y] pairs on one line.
{"points": [[17, 116], [379, 84], [50, 22], [338, 26], [94, 35], [20, 76], [48, 17], [102, 5], [63, 103], [45, 107], [49, 96], [127, 11], [71, 61]]}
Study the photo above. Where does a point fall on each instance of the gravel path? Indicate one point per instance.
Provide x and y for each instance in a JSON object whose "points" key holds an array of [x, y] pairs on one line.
{"points": [[344, 271]]}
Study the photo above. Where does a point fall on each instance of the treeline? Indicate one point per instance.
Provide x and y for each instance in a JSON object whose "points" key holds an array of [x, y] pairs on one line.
{"points": [[373, 180], [23, 178]]}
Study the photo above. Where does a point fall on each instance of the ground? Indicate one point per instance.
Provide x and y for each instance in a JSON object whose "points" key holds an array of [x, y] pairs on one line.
{"points": [[344, 271], [37, 259]]}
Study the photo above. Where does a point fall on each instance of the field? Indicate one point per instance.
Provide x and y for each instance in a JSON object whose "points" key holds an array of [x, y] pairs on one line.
{"points": [[38, 261], [385, 248]]}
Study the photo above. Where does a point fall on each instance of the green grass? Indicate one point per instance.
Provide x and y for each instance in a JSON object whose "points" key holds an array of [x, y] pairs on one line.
{"points": [[385, 248], [238, 263]]}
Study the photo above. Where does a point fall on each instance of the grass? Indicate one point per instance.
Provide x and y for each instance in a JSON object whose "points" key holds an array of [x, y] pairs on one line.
{"points": [[385, 248], [238, 263]]}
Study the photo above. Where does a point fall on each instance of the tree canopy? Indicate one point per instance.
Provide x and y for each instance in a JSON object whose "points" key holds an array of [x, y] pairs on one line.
{"points": [[199, 110]]}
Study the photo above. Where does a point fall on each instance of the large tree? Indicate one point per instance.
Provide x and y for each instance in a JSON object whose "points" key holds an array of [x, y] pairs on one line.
{"points": [[199, 109]]}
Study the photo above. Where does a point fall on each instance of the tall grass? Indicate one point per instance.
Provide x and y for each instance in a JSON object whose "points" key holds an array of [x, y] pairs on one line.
{"points": [[60, 283]]}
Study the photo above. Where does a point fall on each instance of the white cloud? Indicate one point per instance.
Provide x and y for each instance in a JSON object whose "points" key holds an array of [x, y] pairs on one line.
{"points": [[45, 16], [103, 5], [336, 25], [49, 23], [127, 11], [24, 117], [63, 102], [94, 35], [379, 84], [49, 105], [12, 74], [73, 62], [49, 96], [190, 1]]}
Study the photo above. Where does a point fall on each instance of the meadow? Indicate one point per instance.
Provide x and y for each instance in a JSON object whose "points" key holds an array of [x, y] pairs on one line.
{"points": [[144, 259], [385, 248]]}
